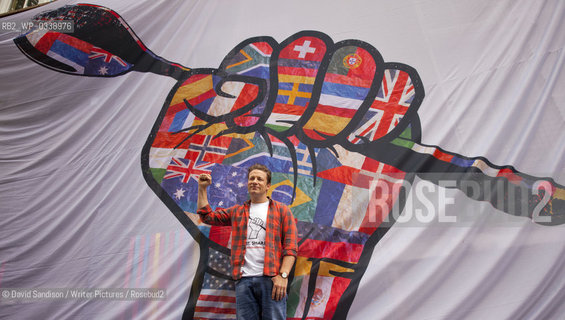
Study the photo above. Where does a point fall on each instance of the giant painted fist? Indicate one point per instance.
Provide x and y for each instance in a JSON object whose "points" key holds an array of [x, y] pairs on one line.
{"points": [[297, 107], [337, 126]]}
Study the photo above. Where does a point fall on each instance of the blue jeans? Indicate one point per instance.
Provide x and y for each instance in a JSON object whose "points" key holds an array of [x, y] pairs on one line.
{"points": [[253, 300]]}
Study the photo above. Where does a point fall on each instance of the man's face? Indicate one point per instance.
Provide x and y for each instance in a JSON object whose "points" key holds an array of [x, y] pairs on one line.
{"points": [[257, 184]]}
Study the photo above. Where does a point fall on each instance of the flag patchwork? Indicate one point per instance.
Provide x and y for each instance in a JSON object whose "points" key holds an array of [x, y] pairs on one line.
{"points": [[245, 97], [258, 152], [511, 176], [217, 297], [244, 93], [325, 210], [350, 210], [326, 160], [304, 159], [279, 163], [320, 298], [85, 58], [43, 39], [215, 304], [172, 140], [63, 48], [229, 186], [242, 148], [379, 187], [462, 162], [177, 118], [555, 194], [304, 203], [346, 85], [326, 296], [252, 60], [298, 66], [343, 174], [179, 187], [198, 91], [220, 263], [343, 251], [383, 194], [362, 199], [335, 216], [329, 233], [392, 102]]}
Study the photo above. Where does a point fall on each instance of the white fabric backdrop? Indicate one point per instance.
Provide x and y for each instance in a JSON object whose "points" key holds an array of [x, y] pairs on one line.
{"points": [[76, 212]]}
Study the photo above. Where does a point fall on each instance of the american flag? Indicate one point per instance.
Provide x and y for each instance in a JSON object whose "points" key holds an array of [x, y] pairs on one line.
{"points": [[217, 297]]}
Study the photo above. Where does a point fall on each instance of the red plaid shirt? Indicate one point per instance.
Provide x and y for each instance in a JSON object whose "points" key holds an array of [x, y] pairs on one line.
{"points": [[280, 238]]}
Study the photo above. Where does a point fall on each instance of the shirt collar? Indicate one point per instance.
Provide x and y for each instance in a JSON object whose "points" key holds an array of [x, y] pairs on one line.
{"points": [[248, 202]]}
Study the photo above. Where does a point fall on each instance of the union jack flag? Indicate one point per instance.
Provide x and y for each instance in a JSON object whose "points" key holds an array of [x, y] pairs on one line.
{"points": [[186, 169], [390, 105], [96, 52]]}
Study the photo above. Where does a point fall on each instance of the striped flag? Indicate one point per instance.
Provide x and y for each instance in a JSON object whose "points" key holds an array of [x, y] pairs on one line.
{"points": [[217, 297], [298, 66], [82, 56], [62, 47], [215, 304], [346, 86], [251, 60]]}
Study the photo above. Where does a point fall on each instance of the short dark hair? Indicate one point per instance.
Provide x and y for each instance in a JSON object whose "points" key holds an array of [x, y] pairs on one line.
{"points": [[258, 166]]}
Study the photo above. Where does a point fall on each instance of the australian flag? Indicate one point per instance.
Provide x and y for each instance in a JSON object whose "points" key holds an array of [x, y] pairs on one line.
{"points": [[102, 62]]}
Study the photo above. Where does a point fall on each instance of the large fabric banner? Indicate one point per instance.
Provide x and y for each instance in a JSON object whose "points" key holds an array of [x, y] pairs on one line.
{"points": [[419, 145]]}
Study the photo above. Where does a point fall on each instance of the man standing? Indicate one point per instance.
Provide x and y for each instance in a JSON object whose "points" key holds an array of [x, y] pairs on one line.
{"points": [[263, 245]]}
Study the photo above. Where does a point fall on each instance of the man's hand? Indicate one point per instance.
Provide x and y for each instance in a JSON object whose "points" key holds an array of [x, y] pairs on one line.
{"points": [[204, 180], [279, 287]]}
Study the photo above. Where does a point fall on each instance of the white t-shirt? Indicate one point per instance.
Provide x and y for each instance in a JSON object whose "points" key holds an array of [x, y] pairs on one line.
{"points": [[255, 245]]}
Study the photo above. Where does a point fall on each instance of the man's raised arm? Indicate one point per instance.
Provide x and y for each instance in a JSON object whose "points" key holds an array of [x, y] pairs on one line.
{"points": [[219, 217], [204, 180]]}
